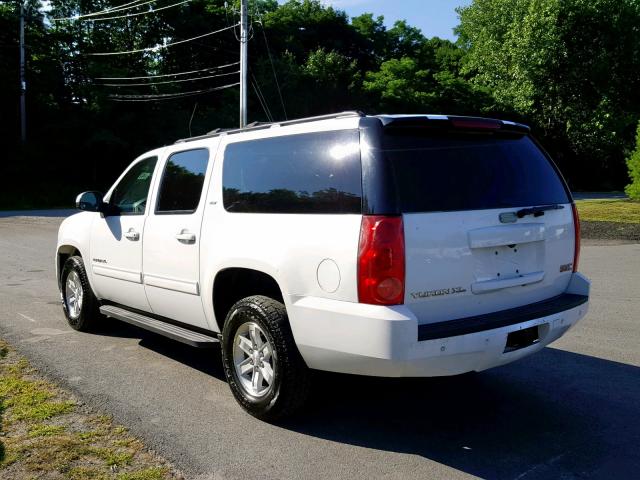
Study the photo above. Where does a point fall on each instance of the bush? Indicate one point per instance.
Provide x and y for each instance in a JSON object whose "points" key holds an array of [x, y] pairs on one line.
{"points": [[633, 164]]}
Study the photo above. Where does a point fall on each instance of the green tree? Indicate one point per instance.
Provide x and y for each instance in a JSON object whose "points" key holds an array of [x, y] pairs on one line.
{"points": [[335, 75], [633, 164], [375, 41], [569, 67], [400, 85], [404, 40], [302, 26]]}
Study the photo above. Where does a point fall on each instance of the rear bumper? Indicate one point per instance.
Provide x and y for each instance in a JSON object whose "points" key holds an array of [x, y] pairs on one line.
{"points": [[387, 341]]}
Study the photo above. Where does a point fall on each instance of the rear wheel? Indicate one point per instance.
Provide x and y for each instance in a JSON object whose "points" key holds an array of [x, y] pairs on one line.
{"points": [[265, 371], [79, 303]]}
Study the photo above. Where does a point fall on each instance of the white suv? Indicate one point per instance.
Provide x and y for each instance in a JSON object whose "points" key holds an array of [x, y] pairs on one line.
{"points": [[390, 245]]}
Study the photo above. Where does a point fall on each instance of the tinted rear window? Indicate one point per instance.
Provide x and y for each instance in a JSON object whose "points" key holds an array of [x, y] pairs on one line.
{"points": [[471, 172], [307, 173], [182, 181]]}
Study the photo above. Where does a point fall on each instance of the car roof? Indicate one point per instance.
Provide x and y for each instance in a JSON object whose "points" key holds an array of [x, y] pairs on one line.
{"points": [[386, 119]]}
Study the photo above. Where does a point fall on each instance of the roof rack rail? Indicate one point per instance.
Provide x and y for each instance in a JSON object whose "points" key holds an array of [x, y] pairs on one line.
{"points": [[261, 125], [329, 116]]}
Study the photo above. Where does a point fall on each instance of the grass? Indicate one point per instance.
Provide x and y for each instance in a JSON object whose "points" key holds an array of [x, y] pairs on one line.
{"points": [[609, 210], [45, 433], [41, 430]]}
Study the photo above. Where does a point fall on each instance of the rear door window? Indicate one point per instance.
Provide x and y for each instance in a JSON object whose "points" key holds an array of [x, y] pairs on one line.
{"points": [[471, 172], [307, 173], [182, 181]]}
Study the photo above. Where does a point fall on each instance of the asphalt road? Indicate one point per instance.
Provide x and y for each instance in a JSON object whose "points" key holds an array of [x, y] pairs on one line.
{"points": [[571, 411]]}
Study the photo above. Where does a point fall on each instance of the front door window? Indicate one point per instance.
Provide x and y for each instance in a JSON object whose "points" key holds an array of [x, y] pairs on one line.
{"points": [[130, 195]]}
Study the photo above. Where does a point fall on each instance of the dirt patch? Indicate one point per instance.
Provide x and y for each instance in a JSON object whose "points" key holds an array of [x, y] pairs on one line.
{"points": [[611, 231], [47, 433]]}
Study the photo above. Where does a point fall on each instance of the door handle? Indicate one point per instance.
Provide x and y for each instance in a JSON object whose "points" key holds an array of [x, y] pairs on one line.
{"points": [[185, 236], [132, 235]]}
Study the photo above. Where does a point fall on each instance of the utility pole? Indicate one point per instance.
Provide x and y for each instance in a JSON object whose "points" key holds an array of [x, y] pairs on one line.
{"points": [[244, 39], [23, 82]]}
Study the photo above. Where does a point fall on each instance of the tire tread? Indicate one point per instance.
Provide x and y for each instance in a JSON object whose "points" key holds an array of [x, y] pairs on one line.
{"points": [[295, 381], [90, 313]]}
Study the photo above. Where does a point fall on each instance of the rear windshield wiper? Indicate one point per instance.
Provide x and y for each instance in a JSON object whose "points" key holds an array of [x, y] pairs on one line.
{"points": [[538, 211]]}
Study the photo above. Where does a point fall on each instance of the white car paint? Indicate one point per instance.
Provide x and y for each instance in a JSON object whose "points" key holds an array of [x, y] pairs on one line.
{"points": [[382, 341], [171, 253], [313, 258], [466, 249]]}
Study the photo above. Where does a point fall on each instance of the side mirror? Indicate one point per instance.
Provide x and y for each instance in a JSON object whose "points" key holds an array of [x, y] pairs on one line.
{"points": [[90, 201]]}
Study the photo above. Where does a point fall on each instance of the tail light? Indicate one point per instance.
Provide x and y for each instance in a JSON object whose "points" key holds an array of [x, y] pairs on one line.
{"points": [[576, 228], [381, 260]]}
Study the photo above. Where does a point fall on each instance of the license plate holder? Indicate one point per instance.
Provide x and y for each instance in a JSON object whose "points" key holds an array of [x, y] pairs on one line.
{"points": [[522, 338]]}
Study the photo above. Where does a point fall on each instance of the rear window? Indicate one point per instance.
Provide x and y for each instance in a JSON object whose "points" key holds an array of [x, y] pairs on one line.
{"points": [[470, 172], [306, 173]]}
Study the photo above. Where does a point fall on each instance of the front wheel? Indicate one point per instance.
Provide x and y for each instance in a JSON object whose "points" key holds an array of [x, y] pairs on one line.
{"points": [[264, 369], [79, 303]]}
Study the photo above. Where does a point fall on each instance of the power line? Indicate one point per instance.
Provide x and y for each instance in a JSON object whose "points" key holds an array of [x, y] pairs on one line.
{"points": [[191, 119], [168, 81], [235, 12], [129, 15], [159, 47], [212, 69], [264, 108], [273, 68], [117, 8], [261, 97], [106, 11], [152, 98], [167, 96], [226, 17]]}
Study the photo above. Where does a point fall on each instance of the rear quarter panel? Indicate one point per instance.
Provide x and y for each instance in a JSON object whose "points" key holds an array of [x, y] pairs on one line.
{"points": [[288, 247]]}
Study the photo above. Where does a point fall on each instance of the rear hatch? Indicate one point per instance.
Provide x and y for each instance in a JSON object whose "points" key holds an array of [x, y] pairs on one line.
{"points": [[487, 218]]}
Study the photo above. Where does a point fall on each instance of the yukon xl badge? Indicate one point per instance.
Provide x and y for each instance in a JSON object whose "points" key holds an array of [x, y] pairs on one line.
{"points": [[437, 293]]}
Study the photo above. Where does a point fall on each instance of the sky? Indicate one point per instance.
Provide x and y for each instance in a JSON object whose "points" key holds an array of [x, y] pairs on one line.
{"points": [[436, 18]]}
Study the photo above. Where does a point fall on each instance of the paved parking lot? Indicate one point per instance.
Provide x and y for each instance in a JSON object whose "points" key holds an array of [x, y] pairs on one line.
{"points": [[571, 411]]}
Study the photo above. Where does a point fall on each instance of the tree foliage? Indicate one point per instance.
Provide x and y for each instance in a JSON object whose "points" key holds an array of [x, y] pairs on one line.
{"points": [[567, 67], [633, 164], [570, 67]]}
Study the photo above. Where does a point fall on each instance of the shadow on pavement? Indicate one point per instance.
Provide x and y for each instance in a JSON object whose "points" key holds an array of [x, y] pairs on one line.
{"points": [[205, 360], [38, 213], [553, 415]]}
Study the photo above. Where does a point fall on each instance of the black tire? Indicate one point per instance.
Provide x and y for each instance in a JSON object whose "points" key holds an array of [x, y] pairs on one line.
{"points": [[290, 387], [89, 313]]}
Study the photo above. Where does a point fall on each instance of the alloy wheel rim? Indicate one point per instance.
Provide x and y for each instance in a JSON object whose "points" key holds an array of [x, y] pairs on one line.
{"points": [[254, 360], [73, 295]]}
